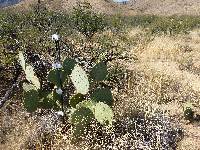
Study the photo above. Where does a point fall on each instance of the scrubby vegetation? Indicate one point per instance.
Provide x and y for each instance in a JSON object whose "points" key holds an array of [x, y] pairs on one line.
{"points": [[72, 85], [164, 25]]}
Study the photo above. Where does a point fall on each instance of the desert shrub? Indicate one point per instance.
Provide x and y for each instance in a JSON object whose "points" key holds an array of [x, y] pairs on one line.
{"points": [[9, 36], [115, 23], [141, 20], [174, 25], [188, 112], [164, 25], [86, 21]]}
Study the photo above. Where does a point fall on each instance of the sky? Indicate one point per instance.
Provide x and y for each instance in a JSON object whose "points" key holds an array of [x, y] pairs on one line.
{"points": [[120, 0]]}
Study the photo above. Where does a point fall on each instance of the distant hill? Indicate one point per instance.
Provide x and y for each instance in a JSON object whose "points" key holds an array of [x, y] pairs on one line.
{"points": [[157, 7]]}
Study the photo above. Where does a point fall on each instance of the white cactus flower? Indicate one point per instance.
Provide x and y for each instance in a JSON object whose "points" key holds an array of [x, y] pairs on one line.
{"points": [[55, 37], [57, 65], [59, 113], [59, 91]]}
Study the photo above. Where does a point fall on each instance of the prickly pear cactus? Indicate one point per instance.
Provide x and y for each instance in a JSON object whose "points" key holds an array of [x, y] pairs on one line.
{"points": [[82, 115], [29, 71], [30, 76], [87, 104], [76, 99], [78, 131], [99, 72], [103, 113], [28, 87], [68, 65], [80, 80], [22, 60], [102, 95], [31, 100], [54, 78], [47, 101], [80, 118]]}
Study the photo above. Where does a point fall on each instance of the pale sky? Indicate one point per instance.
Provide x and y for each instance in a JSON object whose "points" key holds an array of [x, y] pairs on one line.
{"points": [[120, 0]]}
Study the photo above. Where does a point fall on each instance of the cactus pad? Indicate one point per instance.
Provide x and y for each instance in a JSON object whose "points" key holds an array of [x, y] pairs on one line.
{"points": [[47, 101], [103, 113], [28, 87], [54, 78], [82, 115], [22, 60], [55, 75], [31, 100], [80, 80], [79, 131], [68, 65], [87, 104], [29, 71], [99, 72], [30, 76], [102, 95], [76, 99]]}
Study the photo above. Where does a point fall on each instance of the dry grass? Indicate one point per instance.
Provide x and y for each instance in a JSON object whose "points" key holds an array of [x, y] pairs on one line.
{"points": [[168, 70]]}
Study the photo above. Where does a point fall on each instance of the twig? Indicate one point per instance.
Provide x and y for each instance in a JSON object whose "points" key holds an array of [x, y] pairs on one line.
{"points": [[15, 85], [8, 94]]}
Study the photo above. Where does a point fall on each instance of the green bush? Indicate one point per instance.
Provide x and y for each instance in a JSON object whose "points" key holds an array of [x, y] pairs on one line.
{"points": [[174, 25], [141, 20], [163, 24], [86, 21]]}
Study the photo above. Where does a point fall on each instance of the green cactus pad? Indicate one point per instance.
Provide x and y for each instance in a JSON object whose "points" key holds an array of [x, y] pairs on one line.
{"points": [[68, 65], [22, 60], [47, 101], [31, 100], [82, 116], [87, 104], [76, 99], [102, 95], [29, 71], [54, 77], [30, 76], [79, 131], [80, 80], [28, 87], [99, 72], [103, 113]]}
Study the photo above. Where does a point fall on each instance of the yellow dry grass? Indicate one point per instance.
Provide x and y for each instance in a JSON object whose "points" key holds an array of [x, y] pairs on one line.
{"points": [[160, 61]]}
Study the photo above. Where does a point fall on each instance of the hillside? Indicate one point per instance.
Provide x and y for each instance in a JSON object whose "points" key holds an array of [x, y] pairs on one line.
{"points": [[157, 7]]}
